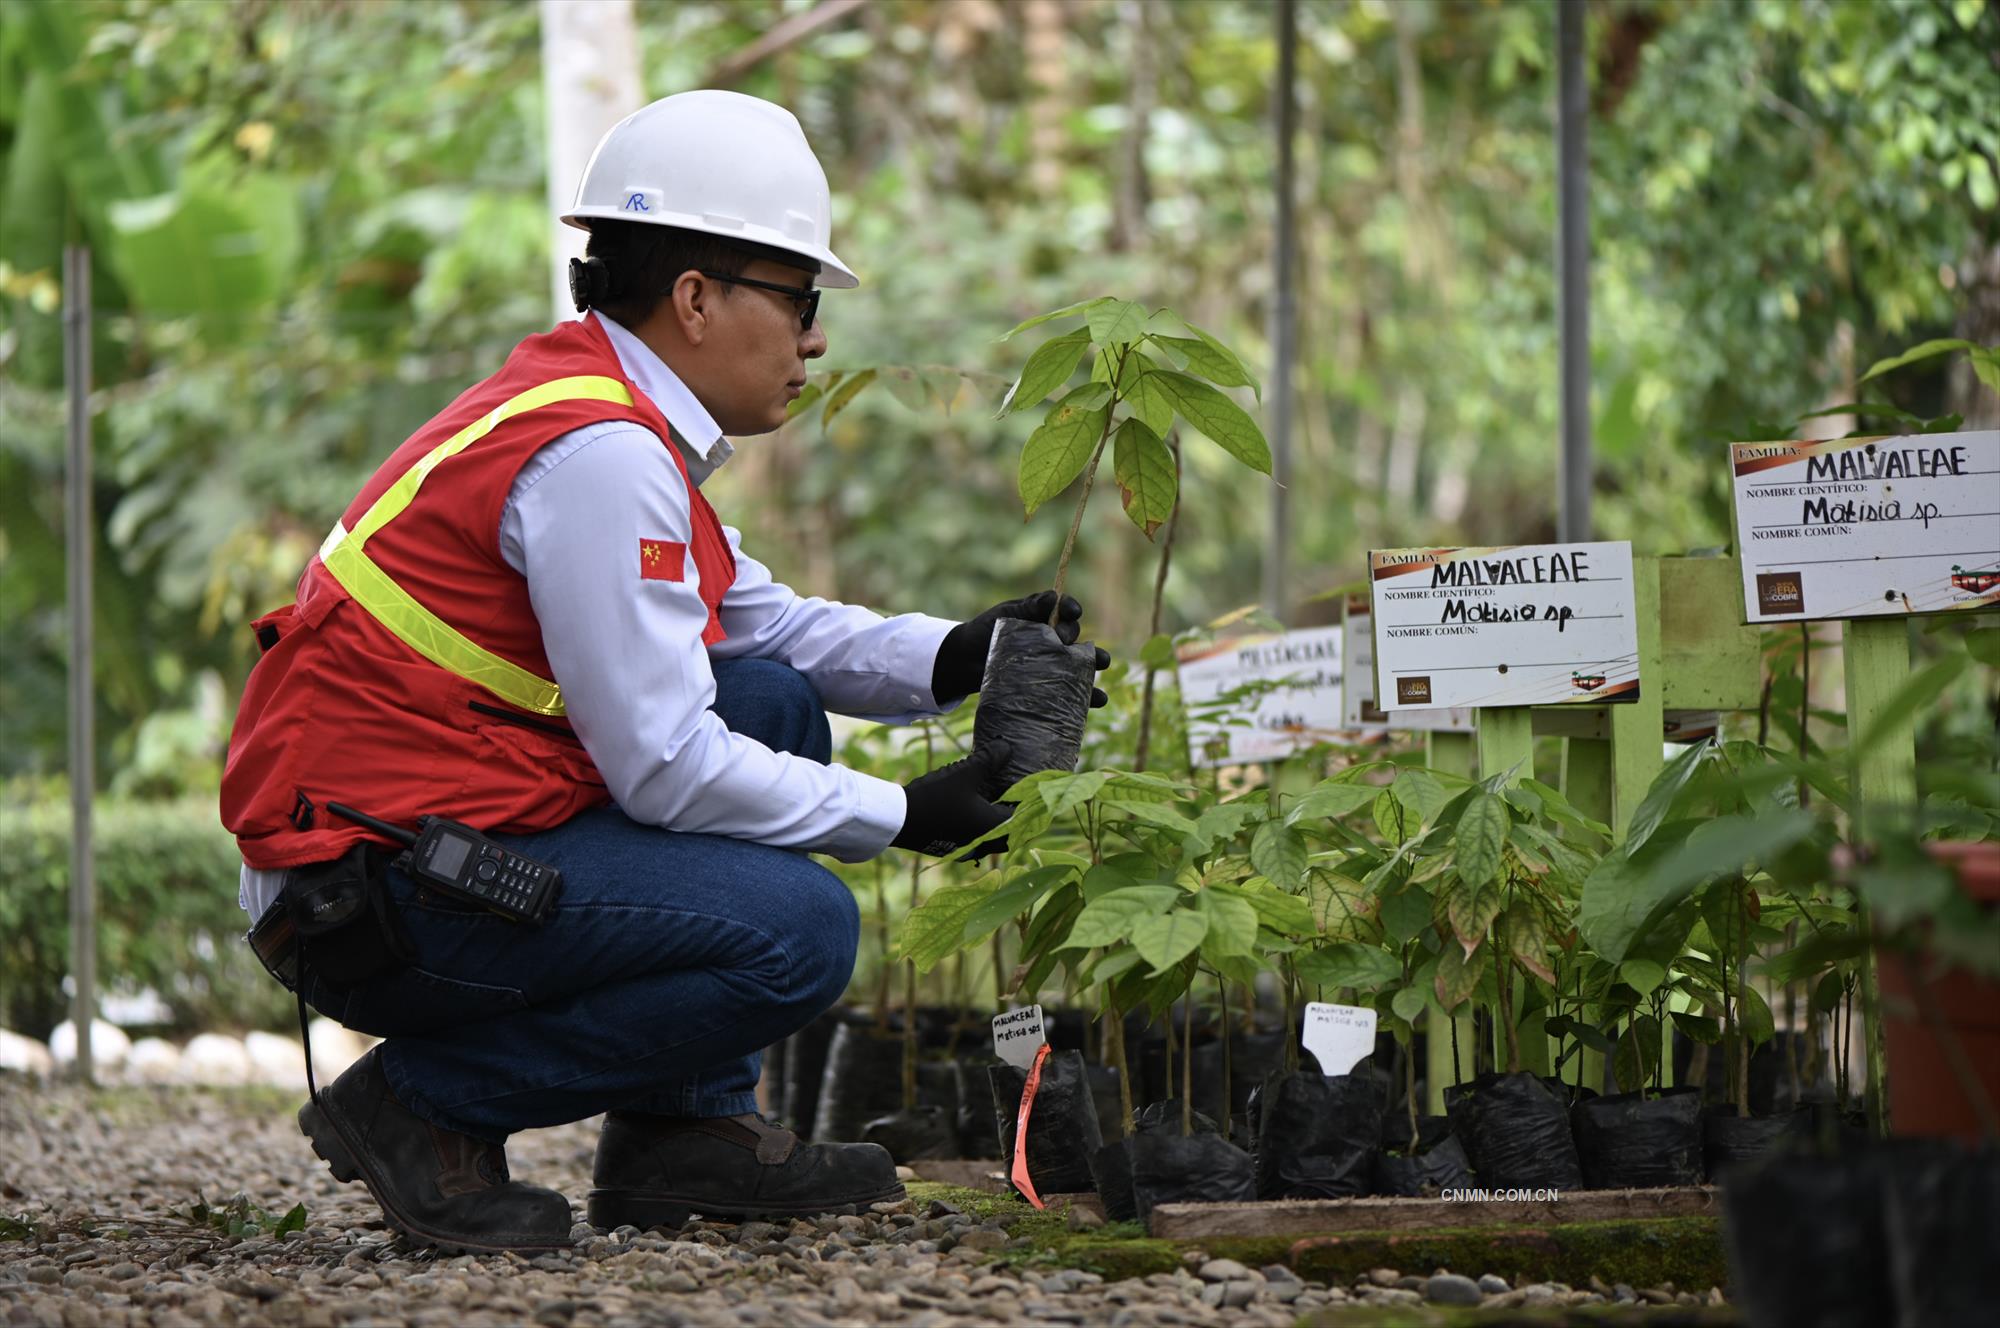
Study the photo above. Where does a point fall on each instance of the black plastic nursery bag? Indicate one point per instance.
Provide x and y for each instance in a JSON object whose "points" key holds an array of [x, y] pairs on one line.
{"points": [[975, 1107], [1806, 1242], [1111, 1171], [1943, 1220], [1201, 1168], [1629, 1141], [1062, 1124], [1316, 1134], [1165, 1118], [1036, 696], [915, 1135], [1729, 1140], [1517, 1133], [1437, 1163]]}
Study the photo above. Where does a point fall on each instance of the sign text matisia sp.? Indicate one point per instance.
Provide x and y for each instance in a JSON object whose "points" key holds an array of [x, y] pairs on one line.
{"points": [[1532, 624], [1861, 527]]}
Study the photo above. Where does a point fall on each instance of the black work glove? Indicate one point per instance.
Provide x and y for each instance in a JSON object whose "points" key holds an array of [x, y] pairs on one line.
{"points": [[948, 810], [961, 659]]}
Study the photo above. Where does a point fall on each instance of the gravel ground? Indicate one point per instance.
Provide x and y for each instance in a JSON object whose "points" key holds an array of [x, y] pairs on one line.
{"points": [[104, 1188]]}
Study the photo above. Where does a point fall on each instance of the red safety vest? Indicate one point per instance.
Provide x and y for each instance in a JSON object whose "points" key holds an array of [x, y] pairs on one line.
{"points": [[408, 678]]}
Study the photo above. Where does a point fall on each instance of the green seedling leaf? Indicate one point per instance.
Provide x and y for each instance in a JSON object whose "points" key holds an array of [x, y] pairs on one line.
{"points": [[1914, 696], [1224, 422], [1659, 799], [936, 927], [1754, 1014], [1922, 351], [1066, 794], [293, 1220], [1147, 810], [1149, 404], [1219, 824], [1285, 914], [1158, 653], [1826, 995], [1063, 312], [1524, 935], [1115, 917], [1698, 1028], [1421, 792], [1642, 975], [1457, 975], [1105, 877], [1218, 349], [1056, 453], [809, 394], [1482, 836], [1405, 913], [1112, 965], [1408, 1004], [1232, 925], [1330, 799], [1165, 940], [1279, 853], [1244, 970], [1560, 810], [1046, 370], [1145, 472], [1011, 900], [1115, 322], [1471, 908], [1341, 907], [1349, 964], [839, 398], [1206, 359], [1392, 819]]}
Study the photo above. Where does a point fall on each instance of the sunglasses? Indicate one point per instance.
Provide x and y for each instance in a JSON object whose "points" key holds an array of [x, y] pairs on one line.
{"points": [[807, 296]]}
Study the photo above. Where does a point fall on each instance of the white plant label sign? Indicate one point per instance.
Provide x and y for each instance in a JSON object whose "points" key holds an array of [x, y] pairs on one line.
{"points": [[1863, 527], [1358, 709], [1292, 702], [1338, 1036], [1514, 625], [1018, 1035]]}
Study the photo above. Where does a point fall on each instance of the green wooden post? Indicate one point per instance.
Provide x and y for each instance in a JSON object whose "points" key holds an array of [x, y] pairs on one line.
{"points": [[1454, 754], [1507, 747], [1876, 653]]}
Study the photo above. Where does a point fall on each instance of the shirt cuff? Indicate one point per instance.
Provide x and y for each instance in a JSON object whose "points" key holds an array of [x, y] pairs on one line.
{"points": [[915, 660], [880, 808]]}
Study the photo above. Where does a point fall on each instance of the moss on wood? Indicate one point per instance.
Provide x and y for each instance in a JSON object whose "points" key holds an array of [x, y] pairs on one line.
{"points": [[1684, 1251]]}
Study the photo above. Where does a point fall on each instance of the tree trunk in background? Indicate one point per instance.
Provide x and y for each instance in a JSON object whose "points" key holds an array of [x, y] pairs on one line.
{"points": [[1134, 190], [590, 81], [1979, 323], [1042, 41]]}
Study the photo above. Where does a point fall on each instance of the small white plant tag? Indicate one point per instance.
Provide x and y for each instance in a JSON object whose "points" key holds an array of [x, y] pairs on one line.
{"points": [[1018, 1035], [1338, 1036]]}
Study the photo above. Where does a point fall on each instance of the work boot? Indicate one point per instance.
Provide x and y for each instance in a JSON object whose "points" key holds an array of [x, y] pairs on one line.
{"points": [[657, 1170], [436, 1186]]}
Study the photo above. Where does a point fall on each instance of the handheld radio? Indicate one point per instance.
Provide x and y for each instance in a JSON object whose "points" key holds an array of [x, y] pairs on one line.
{"points": [[457, 861]]}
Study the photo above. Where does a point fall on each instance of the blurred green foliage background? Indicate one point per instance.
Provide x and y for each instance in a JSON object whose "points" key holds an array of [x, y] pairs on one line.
{"points": [[314, 222]]}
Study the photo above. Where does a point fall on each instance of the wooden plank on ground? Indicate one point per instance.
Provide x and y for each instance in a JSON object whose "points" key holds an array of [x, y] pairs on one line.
{"points": [[1300, 1217]]}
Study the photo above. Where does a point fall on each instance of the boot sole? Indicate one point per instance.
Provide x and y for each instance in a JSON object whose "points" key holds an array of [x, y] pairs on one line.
{"points": [[330, 1142], [645, 1209]]}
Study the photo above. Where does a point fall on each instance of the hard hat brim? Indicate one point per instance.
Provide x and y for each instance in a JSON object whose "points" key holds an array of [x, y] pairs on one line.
{"points": [[833, 274]]}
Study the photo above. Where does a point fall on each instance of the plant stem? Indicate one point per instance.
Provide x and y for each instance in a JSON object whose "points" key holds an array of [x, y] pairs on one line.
{"points": [[1114, 1042], [882, 924], [1805, 707], [1187, 1063], [1082, 500], [1457, 1073], [909, 1034], [1228, 1074], [1145, 744]]}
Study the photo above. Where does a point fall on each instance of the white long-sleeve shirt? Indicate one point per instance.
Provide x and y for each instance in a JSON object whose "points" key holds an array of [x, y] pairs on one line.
{"points": [[628, 655]]}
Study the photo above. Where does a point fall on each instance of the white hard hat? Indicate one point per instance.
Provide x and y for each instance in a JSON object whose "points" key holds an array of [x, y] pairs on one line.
{"points": [[718, 162]]}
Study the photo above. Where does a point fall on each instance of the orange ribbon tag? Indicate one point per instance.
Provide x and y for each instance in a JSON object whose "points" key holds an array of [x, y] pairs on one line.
{"points": [[1020, 1175]]}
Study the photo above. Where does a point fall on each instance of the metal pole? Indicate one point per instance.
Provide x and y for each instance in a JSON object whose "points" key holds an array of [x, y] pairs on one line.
{"points": [[1284, 317], [1573, 268], [79, 532]]}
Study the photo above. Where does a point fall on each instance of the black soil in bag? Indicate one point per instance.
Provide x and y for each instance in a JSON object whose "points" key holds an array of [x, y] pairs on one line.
{"points": [[805, 1065], [1435, 1166], [864, 1081], [1111, 1170], [1629, 1141], [915, 1135], [1317, 1134], [1253, 1057], [1104, 1096], [1517, 1133], [1806, 1242], [1062, 1125], [1729, 1140], [1201, 1168], [1942, 1215], [975, 1107], [1036, 695]]}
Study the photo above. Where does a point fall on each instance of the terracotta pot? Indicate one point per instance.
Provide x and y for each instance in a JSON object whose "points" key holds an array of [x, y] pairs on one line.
{"points": [[1925, 1097]]}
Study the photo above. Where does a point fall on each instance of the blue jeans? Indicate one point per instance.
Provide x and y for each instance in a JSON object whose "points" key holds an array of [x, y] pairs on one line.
{"points": [[670, 961]]}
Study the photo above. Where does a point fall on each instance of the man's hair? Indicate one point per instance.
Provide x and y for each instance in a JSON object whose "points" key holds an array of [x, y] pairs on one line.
{"points": [[643, 261]]}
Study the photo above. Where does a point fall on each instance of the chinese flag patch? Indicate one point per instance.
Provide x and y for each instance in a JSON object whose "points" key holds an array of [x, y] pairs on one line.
{"points": [[662, 560]]}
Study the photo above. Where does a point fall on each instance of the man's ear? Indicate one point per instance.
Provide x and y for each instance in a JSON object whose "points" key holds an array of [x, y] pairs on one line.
{"points": [[687, 303]]}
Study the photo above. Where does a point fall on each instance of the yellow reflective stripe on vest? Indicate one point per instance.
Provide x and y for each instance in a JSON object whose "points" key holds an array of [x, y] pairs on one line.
{"points": [[396, 609]]}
